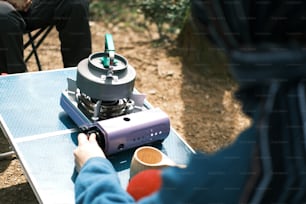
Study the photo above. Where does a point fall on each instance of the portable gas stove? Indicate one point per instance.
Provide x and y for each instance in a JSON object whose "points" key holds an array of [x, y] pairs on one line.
{"points": [[103, 100]]}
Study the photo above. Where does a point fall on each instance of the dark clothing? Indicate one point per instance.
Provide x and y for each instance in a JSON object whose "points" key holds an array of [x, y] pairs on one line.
{"points": [[70, 18], [268, 61]]}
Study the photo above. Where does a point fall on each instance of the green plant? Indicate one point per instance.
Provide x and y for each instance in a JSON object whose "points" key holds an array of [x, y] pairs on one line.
{"points": [[169, 16], [112, 11]]}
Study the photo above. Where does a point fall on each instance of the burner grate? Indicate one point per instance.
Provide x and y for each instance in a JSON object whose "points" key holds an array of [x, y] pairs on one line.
{"points": [[101, 110]]}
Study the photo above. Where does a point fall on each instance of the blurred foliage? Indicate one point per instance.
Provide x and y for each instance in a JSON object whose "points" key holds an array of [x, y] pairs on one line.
{"points": [[169, 16], [112, 11]]}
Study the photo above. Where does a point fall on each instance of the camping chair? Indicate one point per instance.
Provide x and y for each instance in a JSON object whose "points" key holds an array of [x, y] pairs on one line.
{"points": [[35, 41]]}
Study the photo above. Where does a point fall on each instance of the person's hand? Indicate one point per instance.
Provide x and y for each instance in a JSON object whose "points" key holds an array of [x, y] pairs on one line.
{"points": [[87, 148], [21, 5]]}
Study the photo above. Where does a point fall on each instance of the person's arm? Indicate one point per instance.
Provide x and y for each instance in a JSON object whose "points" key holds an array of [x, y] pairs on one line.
{"points": [[97, 181]]}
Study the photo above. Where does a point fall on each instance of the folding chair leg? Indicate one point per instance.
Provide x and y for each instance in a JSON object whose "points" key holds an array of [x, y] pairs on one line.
{"points": [[35, 46], [34, 51]]}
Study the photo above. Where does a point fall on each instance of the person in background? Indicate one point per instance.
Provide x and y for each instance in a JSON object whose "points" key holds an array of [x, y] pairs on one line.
{"points": [[19, 16], [264, 41]]}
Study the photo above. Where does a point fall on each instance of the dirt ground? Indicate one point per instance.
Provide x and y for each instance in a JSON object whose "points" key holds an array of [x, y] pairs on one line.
{"points": [[197, 96]]}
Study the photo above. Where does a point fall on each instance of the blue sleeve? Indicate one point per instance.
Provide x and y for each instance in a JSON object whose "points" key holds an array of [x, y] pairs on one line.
{"points": [[98, 182]]}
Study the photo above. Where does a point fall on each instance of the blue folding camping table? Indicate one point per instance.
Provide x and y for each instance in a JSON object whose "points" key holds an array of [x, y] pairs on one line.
{"points": [[44, 137]]}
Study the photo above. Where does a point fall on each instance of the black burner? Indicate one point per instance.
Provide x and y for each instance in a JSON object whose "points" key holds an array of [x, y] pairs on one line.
{"points": [[100, 110]]}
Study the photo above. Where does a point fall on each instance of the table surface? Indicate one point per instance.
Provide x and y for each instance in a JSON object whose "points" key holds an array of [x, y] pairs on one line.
{"points": [[44, 137]]}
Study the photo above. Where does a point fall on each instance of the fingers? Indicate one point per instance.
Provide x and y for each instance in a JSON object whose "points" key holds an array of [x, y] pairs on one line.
{"points": [[92, 138], [82, 138], [86, 149]]}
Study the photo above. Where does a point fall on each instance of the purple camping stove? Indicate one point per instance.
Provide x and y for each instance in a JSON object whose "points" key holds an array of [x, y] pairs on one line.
{"points": [[103, 100]]}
